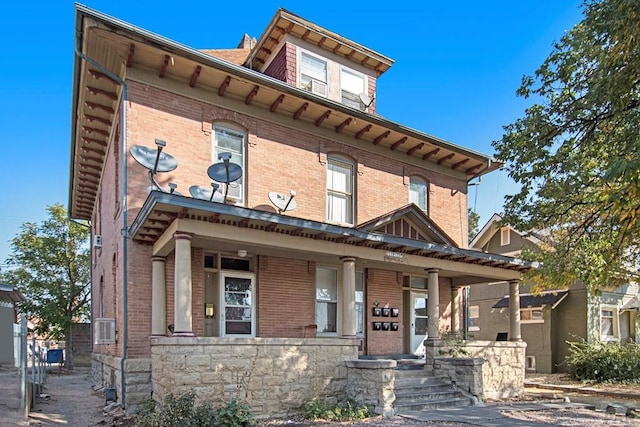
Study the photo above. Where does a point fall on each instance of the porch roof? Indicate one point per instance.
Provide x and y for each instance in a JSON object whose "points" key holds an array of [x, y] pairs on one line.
{"points": [[160, 210], [552, 298]]}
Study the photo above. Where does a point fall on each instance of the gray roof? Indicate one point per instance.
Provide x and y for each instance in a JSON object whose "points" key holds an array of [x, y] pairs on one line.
{"points": [[548, 298], [9, 293]]}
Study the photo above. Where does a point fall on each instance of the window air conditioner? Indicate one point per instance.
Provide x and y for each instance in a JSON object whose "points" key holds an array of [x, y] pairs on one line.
{"points": [[318, 87], [104, 331], [97, 241]]}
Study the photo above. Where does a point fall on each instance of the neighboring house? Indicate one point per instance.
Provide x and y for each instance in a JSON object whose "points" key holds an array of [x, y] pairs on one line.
{"points": [[10, 296], [238, 287], [551, 318]]}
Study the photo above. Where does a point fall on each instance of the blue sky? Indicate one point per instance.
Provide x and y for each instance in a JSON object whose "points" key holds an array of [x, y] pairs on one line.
{"points": [[457, 67]]}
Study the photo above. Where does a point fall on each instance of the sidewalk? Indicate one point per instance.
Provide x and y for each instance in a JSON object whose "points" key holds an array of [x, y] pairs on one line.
{"points": [[582, 389]]}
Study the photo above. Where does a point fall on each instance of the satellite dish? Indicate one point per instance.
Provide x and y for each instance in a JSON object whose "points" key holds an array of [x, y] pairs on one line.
{"points": [[153, 159], [206, 193], [282, 202], [218, 172], [364, 98], [225, 172]]}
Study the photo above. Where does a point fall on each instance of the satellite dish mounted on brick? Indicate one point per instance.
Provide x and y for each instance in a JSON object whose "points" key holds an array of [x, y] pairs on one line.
{"points": [[155, 161]]}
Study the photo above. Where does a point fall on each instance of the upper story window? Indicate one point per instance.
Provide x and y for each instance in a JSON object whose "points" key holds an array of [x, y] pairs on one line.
{"points": [[340, 189], [231, 140], [352, 84], [313, 74], [418, 193], [505, 236]]}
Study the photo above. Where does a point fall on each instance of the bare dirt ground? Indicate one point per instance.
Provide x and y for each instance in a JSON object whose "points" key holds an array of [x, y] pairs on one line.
{"points": [[72, 401]]}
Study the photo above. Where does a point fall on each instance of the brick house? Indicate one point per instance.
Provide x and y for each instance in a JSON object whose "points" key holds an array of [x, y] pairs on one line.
{"points": [[224, 290], [550, 318]]}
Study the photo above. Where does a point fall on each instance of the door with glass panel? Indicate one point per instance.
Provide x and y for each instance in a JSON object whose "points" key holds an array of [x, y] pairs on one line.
{"points": [[418, 322], [237, 318]]}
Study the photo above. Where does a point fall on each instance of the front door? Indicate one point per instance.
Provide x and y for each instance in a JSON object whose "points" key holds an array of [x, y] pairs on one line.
{"points": [[237, 313], [418, 322]]}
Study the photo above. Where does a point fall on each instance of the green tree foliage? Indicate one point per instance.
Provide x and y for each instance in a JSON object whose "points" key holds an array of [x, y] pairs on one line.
{"points": [[50, 265], [576, 151], [473, 223]]}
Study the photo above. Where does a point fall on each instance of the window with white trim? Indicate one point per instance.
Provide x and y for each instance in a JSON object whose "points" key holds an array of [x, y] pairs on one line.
{"points": [[474, 318], [227, 139], [326, 300], [340, 189], [609, 323], [313, 74], [531, 315], [418, 192], [352, 84], [505, 236]]}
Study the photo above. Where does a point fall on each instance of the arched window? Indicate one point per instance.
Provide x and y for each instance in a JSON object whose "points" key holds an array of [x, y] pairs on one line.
{"points": [[231, 139], [419, 193], [340, 190]]}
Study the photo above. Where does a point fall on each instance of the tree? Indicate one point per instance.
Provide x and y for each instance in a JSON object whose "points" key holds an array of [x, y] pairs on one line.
{"points": [[473, 223], [576, 151], [50, 264]]}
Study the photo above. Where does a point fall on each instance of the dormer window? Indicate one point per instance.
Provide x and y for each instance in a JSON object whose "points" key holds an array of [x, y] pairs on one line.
{"points": [[313, 74], [352, 85]]}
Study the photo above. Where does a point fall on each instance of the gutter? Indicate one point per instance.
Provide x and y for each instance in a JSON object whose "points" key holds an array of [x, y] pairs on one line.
{"points": [[77, 68]]}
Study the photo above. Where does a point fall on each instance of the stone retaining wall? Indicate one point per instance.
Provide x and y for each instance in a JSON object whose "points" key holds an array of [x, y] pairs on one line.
{"points": [[372, 383], [276, 376], [503, 367], [465, 373]]}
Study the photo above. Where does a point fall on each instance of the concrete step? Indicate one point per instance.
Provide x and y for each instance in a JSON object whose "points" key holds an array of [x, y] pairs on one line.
{"points": [[433, 395], [433, 404], [425, 391]]}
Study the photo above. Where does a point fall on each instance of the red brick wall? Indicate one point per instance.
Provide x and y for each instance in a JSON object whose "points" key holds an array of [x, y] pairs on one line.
{"points": [[278, 66], [385, 287], [279, 159], [286, 296]]}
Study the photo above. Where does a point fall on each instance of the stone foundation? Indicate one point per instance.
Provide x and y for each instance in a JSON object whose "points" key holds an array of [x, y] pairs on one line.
{"points": [[276, 376], [106, 371]]}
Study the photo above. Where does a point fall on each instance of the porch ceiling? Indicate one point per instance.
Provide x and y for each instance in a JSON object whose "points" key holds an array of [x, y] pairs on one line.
{"points": [[108, 44], [160, 210]]}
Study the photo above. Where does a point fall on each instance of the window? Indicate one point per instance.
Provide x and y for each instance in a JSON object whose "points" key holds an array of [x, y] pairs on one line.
{"points": [[531, 315], [313, 74], [418, 192], [360, 325], [474, 317], [229, 140], [351, 86], [326, 300], [340, 190], [505, 236], [608, 324]]}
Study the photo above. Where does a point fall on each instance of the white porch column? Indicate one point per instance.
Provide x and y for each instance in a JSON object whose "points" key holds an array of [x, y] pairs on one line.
{"points": [[456, 305], [433, 305], [158, 297], [514, 311], [348, 297], [182, 301]]}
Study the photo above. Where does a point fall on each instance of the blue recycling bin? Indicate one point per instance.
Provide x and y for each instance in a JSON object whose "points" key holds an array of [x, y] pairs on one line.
{"points": [[55, 356]]}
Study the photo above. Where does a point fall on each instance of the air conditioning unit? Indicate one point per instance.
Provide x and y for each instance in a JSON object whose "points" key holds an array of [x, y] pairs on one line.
{"points": [[104, 331], [318, 87], [97, 241]]}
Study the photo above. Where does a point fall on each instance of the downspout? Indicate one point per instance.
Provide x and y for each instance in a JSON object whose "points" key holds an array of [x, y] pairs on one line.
{"points": [[124, 201]]}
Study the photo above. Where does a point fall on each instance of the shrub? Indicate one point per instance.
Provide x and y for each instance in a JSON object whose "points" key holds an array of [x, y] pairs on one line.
{"points": [[604, 362], [235, 414], [347, 410], [176, 411]]}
